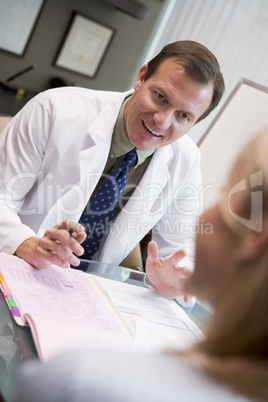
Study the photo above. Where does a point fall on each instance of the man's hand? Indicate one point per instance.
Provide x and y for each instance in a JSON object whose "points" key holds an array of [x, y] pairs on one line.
{"points": [[165, 274], [55, 247]]}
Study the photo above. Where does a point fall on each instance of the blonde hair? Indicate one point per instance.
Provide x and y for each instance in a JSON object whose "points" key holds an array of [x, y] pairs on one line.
{"points": [[235, 350], [251, 161]]}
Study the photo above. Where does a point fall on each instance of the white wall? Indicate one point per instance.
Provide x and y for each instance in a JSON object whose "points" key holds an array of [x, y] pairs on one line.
{"points": [[236, 31]]}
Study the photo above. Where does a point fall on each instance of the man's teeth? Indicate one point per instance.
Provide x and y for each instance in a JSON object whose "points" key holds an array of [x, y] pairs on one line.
{"points": [[151, 131]]}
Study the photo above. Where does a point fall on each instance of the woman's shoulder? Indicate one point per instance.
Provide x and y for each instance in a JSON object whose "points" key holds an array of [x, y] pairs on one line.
{"points": [[117, 377]]}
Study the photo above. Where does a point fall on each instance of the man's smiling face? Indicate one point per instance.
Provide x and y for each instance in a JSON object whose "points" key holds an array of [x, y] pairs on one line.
{"points": [[164, 107]]}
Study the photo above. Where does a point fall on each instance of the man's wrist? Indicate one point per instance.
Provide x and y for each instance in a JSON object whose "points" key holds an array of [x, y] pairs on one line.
{"points": [[26, 250]]}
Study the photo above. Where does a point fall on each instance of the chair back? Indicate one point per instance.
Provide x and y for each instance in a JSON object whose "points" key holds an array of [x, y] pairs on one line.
{"points": [[4, 120]]}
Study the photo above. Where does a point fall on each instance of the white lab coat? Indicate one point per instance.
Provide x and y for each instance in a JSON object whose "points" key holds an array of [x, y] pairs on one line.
{"points": [[51, 157]]}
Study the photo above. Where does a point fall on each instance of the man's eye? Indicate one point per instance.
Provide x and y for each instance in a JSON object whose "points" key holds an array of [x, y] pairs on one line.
{"points": [[160, 96], [183, 116]]}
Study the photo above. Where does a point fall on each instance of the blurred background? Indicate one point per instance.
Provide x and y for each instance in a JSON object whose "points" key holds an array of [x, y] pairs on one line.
{"points": [[236, 31]]}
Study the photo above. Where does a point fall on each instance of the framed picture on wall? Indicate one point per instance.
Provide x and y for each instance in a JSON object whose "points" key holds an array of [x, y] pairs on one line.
{"points": [[17, 22], [85, 45]]}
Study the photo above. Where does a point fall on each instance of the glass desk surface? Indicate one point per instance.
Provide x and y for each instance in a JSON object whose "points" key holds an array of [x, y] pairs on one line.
{"points": [[16, 342]]}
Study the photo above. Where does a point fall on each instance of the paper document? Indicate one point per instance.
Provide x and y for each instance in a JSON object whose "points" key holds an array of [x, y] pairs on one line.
{"points": [[69, 309], [157, 323], [63, 308]]}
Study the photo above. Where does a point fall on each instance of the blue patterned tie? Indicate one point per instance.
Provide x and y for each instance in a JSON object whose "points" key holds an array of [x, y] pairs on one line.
{"points": [[100, 211]]}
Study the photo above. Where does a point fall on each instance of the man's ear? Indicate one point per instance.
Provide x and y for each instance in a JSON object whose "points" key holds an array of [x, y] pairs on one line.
{"points": [[253, 243], [140, 77]]}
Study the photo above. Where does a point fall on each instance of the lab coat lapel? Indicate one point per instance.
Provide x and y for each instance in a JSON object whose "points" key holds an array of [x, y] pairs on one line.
{"points": [[73, 201], [91, 164], [100, 136]]}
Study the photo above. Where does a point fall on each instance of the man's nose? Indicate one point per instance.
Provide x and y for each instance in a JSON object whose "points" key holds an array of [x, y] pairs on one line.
{"points": [[163, 118]]}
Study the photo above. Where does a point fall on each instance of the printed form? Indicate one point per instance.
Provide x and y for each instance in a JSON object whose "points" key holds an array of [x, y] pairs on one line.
{"points": [[67, 308], [158, 323]]}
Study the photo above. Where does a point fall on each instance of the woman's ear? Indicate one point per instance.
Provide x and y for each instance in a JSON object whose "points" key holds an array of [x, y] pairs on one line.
{"points": [[140, 77], [254, 243]]}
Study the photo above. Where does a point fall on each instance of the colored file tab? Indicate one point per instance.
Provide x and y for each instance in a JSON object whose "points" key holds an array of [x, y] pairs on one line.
{"points": [[15, 312], [2, 278], [6, 292], [11, 302], [3, 285], [8, 297]]}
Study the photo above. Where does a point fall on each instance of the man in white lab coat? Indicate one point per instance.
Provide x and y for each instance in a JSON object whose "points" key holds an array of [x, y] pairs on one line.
{"points": [[56, 149]]}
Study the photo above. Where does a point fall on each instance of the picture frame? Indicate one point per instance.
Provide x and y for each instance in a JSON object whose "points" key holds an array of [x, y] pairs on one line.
{"points": [[18, 20], [84, 46]]}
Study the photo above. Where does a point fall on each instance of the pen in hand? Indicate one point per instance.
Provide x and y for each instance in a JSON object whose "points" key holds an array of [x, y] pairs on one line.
{"points": [[72, 232], [76, 232]]}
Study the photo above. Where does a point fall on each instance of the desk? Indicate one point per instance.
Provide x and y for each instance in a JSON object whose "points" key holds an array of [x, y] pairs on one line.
{"points": [[16, 343]]}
